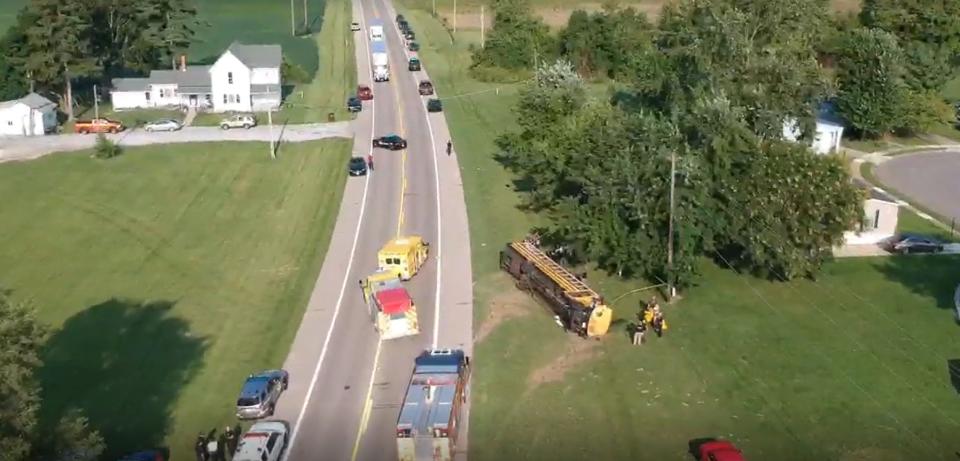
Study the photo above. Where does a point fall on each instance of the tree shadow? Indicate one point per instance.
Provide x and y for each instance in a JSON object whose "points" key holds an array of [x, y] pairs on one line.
{"points": [[953, 369], [123, 363], [934, 276]]}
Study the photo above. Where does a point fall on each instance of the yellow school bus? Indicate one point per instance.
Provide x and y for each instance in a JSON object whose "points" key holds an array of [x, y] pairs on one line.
{"points": [[403, 256]]}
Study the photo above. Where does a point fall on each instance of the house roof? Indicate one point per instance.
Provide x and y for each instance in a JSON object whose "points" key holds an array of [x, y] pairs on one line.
{"points": [[257, 55], [874, 193], [827, 114], [192, 76], [31, 100], [130, 84]]}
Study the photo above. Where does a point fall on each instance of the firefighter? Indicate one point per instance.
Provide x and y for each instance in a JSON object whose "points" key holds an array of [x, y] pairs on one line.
{"points": [[659, 323], [201, 447], [231, 441]]}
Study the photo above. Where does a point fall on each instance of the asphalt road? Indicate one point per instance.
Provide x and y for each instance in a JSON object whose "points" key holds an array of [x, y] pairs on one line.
{"points": [[31, 147], [931, 179], [346, 386]]}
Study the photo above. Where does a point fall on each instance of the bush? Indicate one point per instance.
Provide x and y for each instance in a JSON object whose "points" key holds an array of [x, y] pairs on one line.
{"points": [[106, 148], [292, 73]]}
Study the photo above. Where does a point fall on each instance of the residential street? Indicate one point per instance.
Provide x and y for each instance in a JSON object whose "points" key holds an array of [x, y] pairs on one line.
{"points": [[929, 178], [26, 148]]}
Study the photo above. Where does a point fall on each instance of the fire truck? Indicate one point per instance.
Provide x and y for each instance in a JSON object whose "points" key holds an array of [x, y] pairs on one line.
{"points": [[392, 310], [431, 410]]}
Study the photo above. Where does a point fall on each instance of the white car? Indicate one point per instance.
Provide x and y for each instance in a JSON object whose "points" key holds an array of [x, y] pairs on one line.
{"points": [[355, 26], [265, 441], [238, 121], [163, 125]]}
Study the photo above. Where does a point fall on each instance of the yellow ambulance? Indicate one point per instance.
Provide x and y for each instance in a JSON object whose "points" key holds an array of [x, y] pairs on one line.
{"points": [[403, 256]]}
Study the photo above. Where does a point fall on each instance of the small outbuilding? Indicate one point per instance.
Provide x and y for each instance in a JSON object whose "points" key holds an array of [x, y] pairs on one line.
{"points": [[828, 130], [31, 115], [880, 216]]}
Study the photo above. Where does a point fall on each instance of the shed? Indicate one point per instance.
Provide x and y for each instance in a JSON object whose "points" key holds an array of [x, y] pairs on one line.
{"points": [[394, 301], [828, 130], [30, 115], [880, 217]]}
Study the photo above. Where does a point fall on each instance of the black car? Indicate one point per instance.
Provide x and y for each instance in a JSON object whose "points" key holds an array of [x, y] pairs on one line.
{"points": [[912, 243], [413, 46], [409, 35], [391, 142], [404, 26], [413, 65], [357, 166], [434, 105], [400, 19], [354, 104]]}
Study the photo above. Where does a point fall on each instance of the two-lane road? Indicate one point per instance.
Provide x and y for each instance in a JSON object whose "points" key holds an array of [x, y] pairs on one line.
{"points": [[347, 385]]}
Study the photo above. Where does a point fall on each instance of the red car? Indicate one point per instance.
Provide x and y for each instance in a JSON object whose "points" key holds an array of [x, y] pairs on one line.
{"points": [[364, 93], [720, 450]]}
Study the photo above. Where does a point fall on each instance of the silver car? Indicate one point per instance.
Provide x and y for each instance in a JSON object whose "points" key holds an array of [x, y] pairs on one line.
{"points": [[163, 125], [260, 393], [238, 121]]}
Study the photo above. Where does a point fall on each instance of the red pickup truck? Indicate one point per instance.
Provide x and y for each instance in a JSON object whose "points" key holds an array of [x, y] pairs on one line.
{"points": [[97, 125]]}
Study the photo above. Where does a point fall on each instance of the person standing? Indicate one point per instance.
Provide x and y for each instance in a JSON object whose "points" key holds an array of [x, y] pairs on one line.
{"points": [[231, 441], [201, 447], [449, 148], [370, 161]]}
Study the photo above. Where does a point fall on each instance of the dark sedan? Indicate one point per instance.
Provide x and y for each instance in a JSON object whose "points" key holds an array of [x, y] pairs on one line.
{"points": [[354, 105], [912, 243], [391, 142], [357, 167], [434, 105]]}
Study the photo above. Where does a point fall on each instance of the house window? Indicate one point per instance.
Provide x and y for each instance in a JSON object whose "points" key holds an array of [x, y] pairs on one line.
{"points": [[230, 78], [237, 96], [147, 95], [876, 219], [224, 99]]}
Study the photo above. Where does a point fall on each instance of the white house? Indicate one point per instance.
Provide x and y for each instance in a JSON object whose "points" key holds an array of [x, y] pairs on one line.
{"points": [[880, 215], [28, 116], [244, 78], [827, 133]]}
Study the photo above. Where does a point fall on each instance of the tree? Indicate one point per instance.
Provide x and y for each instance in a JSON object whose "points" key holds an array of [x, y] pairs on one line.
{"points": [[518, 39], [57, 47], [928, 32], [872, 95], [72, 440], [177, 29], [21, 338], [616, 42], [105, 148]]}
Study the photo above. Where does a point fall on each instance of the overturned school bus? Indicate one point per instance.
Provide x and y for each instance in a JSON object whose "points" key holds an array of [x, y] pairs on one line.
{"points": [[403, 256], [578, 308]]}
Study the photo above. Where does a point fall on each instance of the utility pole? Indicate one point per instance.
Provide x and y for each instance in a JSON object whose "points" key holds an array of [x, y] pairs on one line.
{"points": [[293, 23], [273, 152], [434, 8], [483, 25], [454, 16], [305, 24], [671, 290], [96, 101]]}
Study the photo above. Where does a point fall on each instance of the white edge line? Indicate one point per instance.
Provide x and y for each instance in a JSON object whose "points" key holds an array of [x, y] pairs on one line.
{"points": [[346, 273], [436, 179]]}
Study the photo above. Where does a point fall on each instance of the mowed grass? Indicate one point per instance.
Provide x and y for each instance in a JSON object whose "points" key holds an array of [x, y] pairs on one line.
{"points": [[335, 77], [851, 367], [167, 274]]}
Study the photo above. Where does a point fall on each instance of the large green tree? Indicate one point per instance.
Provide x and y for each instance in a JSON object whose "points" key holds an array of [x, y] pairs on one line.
{"points": [[615, 42], [929, 35], [518, 39], [871, 95]]}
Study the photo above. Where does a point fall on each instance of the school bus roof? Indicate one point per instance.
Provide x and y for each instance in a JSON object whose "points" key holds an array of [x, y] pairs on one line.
{"points": [[401, 245]]}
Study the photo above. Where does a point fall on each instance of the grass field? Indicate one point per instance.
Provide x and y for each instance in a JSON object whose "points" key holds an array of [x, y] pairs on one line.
{"points": [[851, 367], [168, 273]]}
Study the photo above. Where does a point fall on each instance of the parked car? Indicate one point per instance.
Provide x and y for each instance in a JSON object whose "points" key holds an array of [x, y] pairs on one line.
{"points": [[357, 166], [264, 441], [400, 19], [146, 455], [912, 243], [434, 105], [413, 65], [260, 393], [425, 88], [97, 125], [720, 450], [163, 125], [354, 26], [364, 92], [391, 142], [354, 104], [238, 121], [413, 46], [403, 25], [409, 35]]}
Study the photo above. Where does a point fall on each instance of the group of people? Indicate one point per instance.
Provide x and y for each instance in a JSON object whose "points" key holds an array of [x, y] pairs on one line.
{"points": [[650, 316], [209, 447]]}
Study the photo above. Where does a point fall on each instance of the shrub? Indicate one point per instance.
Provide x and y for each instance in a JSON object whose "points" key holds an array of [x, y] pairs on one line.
{"points": [[106, 148]]}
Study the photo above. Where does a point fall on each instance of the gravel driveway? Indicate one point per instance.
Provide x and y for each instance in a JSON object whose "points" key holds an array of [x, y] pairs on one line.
{"points": [[26, 148], [931, 179]]}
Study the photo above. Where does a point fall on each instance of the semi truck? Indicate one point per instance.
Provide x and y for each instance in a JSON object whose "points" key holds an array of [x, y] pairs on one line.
{"points": [[376, 30], [390, 306], [430, 414], [577, 307], [381, 65]]}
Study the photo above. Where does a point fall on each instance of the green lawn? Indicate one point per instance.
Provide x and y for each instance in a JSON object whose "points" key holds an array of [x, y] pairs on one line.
{"points": [[168, 274], [852, 367]]}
